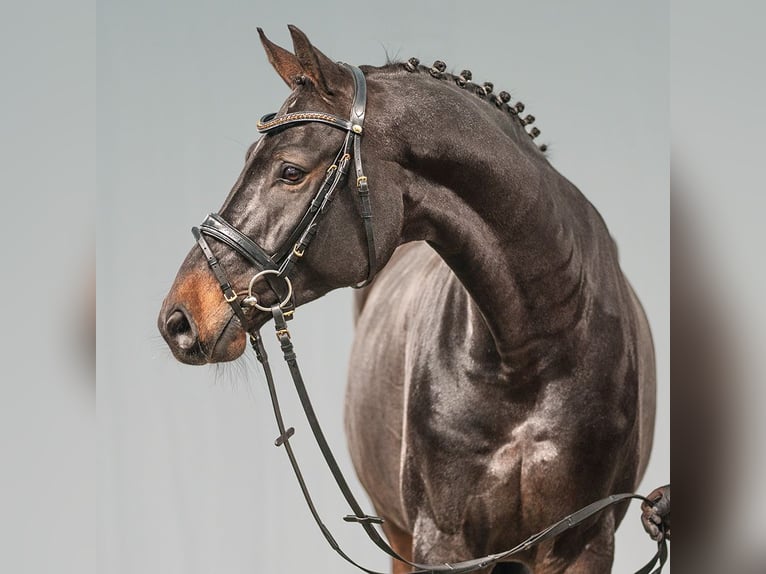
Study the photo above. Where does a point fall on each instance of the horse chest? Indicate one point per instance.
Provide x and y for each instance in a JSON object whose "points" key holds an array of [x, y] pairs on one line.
{"points": [[423, 426], [461, 458]]}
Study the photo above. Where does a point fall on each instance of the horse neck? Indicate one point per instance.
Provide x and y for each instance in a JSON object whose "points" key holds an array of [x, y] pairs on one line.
{"points": [[510, 226]]}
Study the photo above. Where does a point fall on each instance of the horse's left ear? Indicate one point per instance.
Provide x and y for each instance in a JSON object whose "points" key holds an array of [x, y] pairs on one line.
{"points": [[316, 66], [286, 64]]}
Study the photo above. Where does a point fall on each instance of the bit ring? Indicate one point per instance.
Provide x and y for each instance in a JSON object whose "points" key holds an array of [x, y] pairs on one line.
{"points": [[260, 274]]}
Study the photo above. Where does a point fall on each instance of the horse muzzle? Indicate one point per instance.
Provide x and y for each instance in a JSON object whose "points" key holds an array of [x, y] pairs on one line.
{"points": [[198, 325]]}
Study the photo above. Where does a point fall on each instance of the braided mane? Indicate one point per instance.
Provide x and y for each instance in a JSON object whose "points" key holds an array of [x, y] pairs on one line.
{"points": [[483, 91]]}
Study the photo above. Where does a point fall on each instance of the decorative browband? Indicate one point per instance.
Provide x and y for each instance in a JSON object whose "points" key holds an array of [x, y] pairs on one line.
{"points": [[270, 121]]}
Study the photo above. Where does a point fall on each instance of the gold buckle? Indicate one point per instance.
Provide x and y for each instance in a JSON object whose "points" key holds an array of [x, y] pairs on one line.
{"points": [[232, 298], [361, 180], [283, 332], [331, 169], [298, 252]]}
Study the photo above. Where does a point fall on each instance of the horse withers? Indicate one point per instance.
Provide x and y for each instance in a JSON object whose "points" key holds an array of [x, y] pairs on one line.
{"points": [[502, 373]]}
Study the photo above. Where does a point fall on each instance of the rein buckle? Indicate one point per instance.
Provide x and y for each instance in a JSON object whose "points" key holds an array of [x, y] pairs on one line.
{"points": [[281, 332]]}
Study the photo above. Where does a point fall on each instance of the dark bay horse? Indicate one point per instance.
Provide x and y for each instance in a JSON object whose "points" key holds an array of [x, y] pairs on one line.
{"points": [[503, 373]]}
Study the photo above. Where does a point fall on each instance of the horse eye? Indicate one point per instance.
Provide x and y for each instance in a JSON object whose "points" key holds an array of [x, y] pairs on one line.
{"points": [[292, 174]]}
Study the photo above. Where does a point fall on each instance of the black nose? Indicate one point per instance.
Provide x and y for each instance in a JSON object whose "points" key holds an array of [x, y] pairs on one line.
{"points": [[180, 329]]}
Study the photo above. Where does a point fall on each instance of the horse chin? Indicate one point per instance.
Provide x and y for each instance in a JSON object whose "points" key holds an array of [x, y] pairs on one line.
{"points": [[230, 343]]}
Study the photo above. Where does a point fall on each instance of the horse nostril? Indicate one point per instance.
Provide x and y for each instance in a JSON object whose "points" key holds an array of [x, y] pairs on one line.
{"points": [[179, 328]]}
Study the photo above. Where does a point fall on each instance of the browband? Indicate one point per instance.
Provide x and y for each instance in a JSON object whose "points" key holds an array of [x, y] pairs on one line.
{"points": [[355, 124], [271, 122]]}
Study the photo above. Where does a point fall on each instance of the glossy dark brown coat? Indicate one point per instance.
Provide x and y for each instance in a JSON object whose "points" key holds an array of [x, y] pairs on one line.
{"points": [[502, 374]]}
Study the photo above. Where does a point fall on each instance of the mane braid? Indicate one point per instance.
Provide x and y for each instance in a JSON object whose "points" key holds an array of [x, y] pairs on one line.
{"points": [[484, 92]]}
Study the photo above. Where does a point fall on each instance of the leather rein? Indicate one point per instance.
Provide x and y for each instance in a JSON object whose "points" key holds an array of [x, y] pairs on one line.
{"points": [[276, 269]]}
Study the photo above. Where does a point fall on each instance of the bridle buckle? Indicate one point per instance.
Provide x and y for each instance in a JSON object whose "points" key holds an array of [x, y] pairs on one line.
{"points": [[281, 332]]}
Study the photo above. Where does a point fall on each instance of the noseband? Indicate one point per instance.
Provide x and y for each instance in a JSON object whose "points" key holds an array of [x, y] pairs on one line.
{"points": [[279, 266]]}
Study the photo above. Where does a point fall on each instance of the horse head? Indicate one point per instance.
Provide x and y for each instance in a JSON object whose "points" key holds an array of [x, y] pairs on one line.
{"points": [[291, 192]]}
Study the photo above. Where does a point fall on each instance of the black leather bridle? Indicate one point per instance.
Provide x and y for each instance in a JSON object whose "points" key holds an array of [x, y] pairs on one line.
{"points": [[281, 262], [279, 265]]}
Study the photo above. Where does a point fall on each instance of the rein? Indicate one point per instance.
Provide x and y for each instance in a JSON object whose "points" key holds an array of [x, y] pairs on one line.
{"points": [[278, 267]]}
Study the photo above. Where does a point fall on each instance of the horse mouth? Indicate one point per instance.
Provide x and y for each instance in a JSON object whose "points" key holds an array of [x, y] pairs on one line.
{"points": [[230, 343], [232, 339]]}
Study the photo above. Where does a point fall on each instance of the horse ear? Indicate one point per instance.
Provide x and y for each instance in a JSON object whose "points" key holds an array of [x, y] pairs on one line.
{"points": [[285, 63], [319, 68]]}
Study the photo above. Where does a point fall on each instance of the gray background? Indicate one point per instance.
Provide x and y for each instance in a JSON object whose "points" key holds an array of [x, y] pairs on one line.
{"points": [[189, 479]]}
